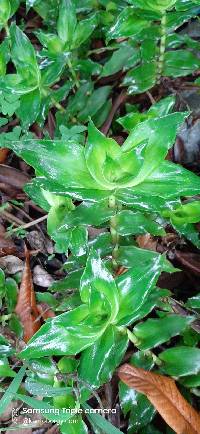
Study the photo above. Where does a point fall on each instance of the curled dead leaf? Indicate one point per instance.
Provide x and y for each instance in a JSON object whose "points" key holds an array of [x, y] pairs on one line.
{"points": [[45, 311], [165, 396], [26, 307], [3, 154]]}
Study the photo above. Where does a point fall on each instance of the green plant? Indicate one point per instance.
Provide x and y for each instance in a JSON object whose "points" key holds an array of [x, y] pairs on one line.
{"points": [[53, 81]]}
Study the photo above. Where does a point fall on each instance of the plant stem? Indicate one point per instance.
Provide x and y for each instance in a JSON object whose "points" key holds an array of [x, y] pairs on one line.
{"points": [[113, 231], [162, 47], [73, 73]]}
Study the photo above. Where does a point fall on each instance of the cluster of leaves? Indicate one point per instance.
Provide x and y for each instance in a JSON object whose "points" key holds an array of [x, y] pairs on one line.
{"points": [[91, 181]]}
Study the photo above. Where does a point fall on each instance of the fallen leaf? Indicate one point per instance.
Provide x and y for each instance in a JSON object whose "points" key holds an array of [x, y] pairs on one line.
{"points": [[11, 176], [41, 277], [26, 307], [189, 260], [3, 155], [11, 264], [147, 242], [45, 311], [7, 246], [164, 395]]}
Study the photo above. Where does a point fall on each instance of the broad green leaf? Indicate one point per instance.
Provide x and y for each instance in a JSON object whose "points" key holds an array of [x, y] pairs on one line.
{"points": [[36, 388], [128, 23], [66, 21], [11, 291], [69, 166], [141, 78], [132, 256], [138, 294], [141, 410], [170, 180], [5, 12], [79, 241], [186, 213], [88, 213], [154, 332], [180, 63], [12, 389], [5, 370], [83, 30], [4, 56], [99, 149], [180, 361], [94, 102], [189, 231], [72, 280], [100, 422], [161, 108], [98, 288], [98, 362], [194, 302], [159, 134], [29, 108], [75, 425], [144, 201], [120, 59], [155, 5], [130, 222], [5, 347], [23, 56], [52, 72], [59, 335]]}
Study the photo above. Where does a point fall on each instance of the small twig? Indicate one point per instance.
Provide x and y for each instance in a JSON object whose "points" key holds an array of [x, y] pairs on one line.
{"points": [[28, 225], [119, 100], [153, 101], [11, 218]]}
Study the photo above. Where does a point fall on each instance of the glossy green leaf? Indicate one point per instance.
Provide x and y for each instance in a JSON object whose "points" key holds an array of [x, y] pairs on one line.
{"points": [[137, 290], [83, 30], [5, 347], [12, 389], [23, 55], [100, 422], [66, 21], [161, 108], [79, 241], [75, 425], [99, 361], [94, 103], [141, 410], [4, 12], [130, 222], [180, 361], [154, 332], [141, 78], [36, 388], [29, 108], [170, 181], [11, 291], [194, 302], [70, 155], [155, 5], [5, 370], [98, 288], [132, 256], [186, 213], [180, 63], [120, 59], [88, 214], [128, 23], [59, 335]]}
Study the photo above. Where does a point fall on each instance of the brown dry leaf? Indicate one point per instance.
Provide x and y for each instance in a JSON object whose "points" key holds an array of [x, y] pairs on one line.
{"points": [[45, 311], [165, 397], [26, 307], [3, 154], [147, 242]]}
